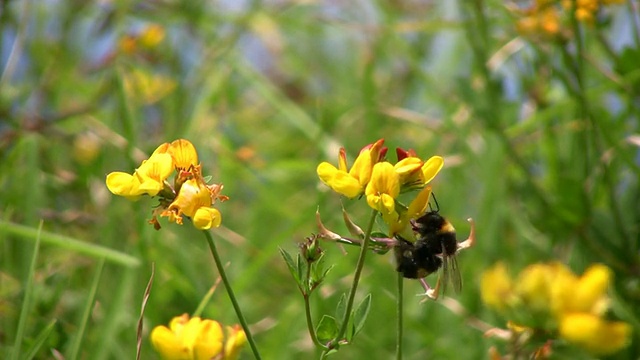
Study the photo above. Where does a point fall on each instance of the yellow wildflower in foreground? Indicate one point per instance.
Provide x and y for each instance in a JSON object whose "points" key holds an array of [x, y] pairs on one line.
{"points": [[552, 298], [189, 195], [383, 188], [197, 339], [351, 183]]}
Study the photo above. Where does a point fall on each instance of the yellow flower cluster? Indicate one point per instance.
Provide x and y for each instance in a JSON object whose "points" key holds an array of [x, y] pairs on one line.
{"points": [[544, 17], [188, 196], [197, 339], [148, 38], [551, 297], [382, 182]]}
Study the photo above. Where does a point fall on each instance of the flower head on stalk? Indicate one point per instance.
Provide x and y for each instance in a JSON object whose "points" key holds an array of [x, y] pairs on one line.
{"points": [[197, 339], [551, 298], [189, 195], [351, 182]]}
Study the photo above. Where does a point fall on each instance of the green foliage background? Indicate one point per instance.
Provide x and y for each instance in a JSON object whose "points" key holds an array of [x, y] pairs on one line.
{"points": [[540, 139]]}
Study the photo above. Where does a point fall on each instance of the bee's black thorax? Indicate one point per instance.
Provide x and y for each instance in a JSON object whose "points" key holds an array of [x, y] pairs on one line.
{"points": [[437, 233]]}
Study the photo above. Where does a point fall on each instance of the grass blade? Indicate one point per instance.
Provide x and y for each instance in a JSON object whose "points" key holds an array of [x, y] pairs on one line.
{"points": [[28, 293], [40, 339], [72, 354]]}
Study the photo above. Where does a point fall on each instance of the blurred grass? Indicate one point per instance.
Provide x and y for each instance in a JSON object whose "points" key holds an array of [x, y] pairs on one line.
{"points": [[268, 90]]}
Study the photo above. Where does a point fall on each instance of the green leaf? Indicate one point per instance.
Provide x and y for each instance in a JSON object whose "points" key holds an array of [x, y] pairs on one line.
{"points": [[327, 329], [301, 266], [318, 271], [293, 269], [360, 314]]}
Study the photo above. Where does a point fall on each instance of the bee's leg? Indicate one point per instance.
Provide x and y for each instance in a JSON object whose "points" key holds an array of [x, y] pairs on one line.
{"points": [[431, 293], [472, 237]]}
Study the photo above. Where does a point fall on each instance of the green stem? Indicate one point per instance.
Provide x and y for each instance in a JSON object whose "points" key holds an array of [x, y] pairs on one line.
{"points": [[356, 279], [232, 297], [400, 300], [307, 310]]}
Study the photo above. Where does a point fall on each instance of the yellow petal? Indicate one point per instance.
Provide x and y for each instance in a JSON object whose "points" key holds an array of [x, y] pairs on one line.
{"points": [[361, 169], [384, 180], [591, 289], [124, 184], [192, 196], [342, 160], [418, 206], [236, 338], [408, 166], [496, 287], [594, 334], [183, 153], [388, 203], [168, 345], [208, 343], [533, 286], [338, 180], [162, 149], [158, 167], [205, 218], [431, 168], [326, 172]]}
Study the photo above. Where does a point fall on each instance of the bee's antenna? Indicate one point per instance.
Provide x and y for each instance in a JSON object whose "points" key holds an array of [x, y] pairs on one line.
{"points": [[436, 201]]}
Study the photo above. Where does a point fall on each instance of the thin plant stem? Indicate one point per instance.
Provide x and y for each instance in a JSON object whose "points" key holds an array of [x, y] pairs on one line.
{"points": [[232, 297], [307, 310], [354, 286], [400, 300]]}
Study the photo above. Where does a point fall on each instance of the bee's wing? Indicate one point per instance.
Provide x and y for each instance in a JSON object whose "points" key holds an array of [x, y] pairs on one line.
{"points": [[454, 274], [444, 277], [450, 273]]}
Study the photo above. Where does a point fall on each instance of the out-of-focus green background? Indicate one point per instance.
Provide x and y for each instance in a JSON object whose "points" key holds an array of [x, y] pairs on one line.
{"points": [[540, 138]]}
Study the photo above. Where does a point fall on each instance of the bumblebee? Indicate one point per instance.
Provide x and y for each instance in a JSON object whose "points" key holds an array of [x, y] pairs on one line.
{"points": [[435, 248]]}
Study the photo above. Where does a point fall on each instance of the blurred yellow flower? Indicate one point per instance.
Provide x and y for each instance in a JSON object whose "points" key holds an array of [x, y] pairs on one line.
{"points": [[151, 36], [594, 334], [555, 299], [350, 183], [587, 293], [145, 87], [383, 188], [540, 21], [533, 285], [496, 287], [236, 338], [196, 339]]}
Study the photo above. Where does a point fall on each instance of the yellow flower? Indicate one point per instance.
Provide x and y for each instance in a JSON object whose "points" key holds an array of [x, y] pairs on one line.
{"points": [[196, 339], [184, 154], [407, 169], [194, 200], [540, 21], [533, 286], [594, 334], [353, 182], [151, 36], [146, 87], [236, 338], [496, 287], [147, 179], [383, 188], [416, 208], [586, 294]]}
